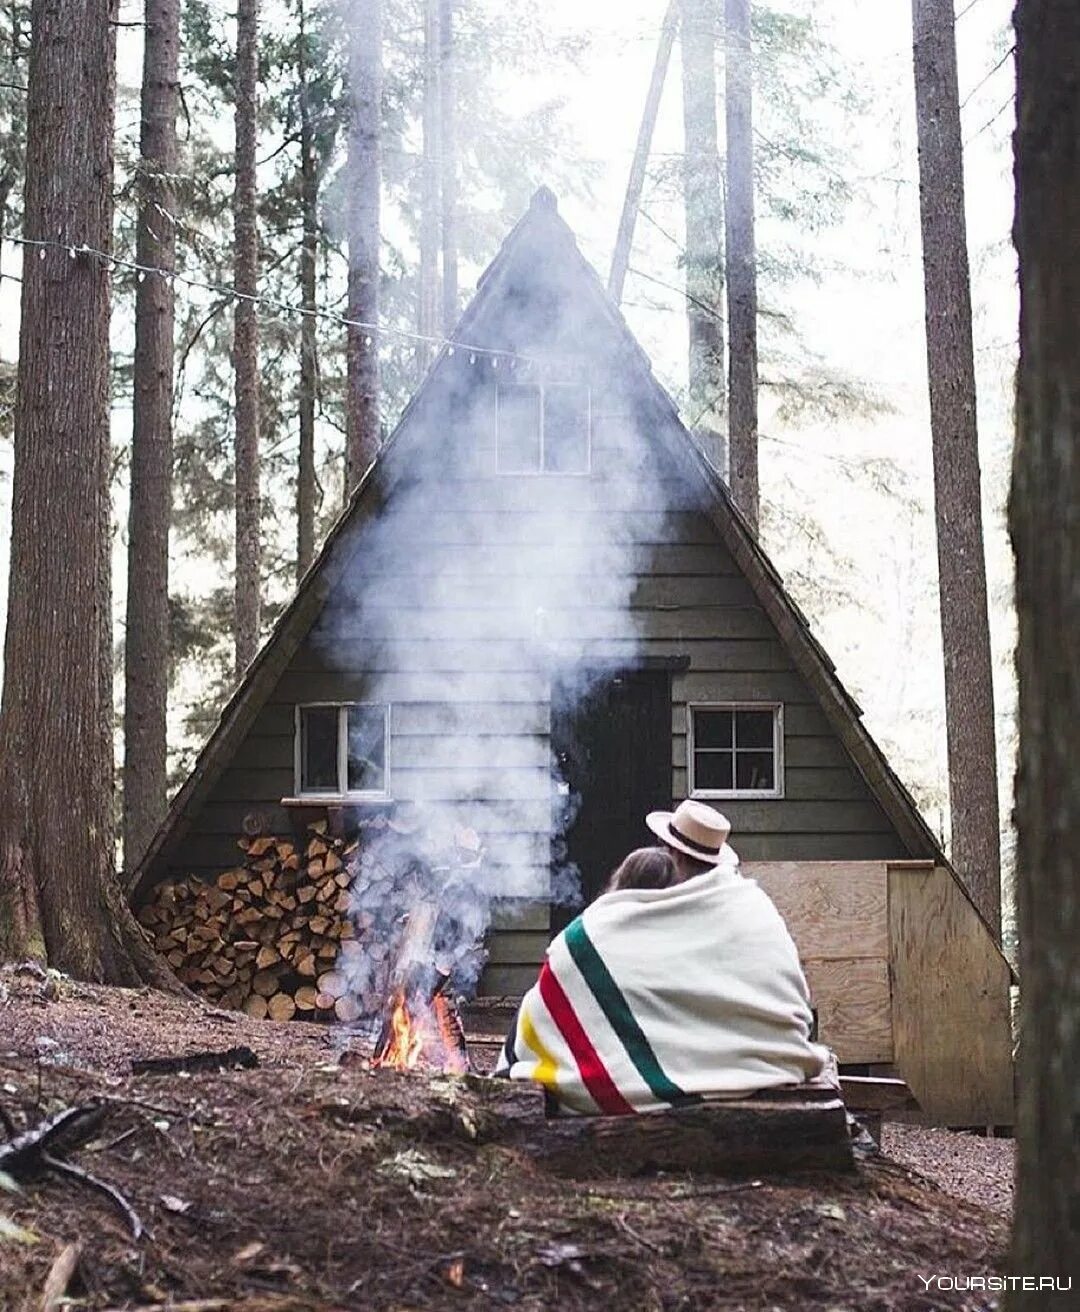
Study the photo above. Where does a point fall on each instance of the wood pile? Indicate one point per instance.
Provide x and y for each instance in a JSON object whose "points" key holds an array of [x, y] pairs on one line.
{"points": [[306, 930]]}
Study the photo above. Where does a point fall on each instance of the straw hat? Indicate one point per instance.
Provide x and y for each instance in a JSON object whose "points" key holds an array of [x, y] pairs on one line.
{"points": [[696, 829]]}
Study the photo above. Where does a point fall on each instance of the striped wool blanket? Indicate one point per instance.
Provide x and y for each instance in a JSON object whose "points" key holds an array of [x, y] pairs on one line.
{"points": [[657, 997]]}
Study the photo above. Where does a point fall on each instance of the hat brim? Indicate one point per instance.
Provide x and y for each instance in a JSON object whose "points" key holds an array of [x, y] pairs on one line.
{"points": [[660, 824]]}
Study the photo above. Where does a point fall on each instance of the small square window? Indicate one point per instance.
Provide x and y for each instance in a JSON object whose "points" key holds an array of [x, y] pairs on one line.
{"points": [[542, 428], [735, 751], [566, 430], [366, 749], [341, 750], [319, 749], [519, 422]]}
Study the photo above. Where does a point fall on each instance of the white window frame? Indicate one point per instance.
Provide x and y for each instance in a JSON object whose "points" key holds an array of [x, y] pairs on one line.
{"points": [[540, 471], [341, 794], [749, 794]]}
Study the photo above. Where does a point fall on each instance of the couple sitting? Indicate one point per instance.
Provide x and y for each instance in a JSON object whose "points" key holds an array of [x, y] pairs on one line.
{"points": [[679, 981]]}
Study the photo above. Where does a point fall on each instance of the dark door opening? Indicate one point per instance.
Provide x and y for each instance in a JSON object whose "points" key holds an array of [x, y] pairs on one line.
{"points": [[613, 747]]}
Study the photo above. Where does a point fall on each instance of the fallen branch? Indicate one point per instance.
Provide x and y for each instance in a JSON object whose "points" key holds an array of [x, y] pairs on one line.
{"points": [[92, 1182], [255, 1303], [23, 1156], [196, 1061], [60, 1276], [191, 1305]]}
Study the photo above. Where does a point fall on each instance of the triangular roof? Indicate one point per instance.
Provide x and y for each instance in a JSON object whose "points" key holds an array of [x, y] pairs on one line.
{"points": [[541, 229]]}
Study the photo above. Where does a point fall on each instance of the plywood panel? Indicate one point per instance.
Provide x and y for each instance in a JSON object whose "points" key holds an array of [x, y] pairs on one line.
{"points": [[950, 1000], [852, 1002], [833, 910]]}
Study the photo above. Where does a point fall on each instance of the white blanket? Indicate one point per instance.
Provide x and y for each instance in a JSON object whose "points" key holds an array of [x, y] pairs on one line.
{"points": [[656, 997]]}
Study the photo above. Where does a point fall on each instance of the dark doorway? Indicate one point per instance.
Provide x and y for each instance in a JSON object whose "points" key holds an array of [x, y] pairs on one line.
{"points": [[613, 746]]}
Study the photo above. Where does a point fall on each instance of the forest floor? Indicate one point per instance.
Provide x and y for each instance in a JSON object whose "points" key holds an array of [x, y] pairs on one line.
{"points": [[305, 1185]]}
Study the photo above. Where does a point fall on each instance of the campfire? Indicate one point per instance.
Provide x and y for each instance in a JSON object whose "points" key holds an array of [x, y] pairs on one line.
{"points": [[405, 1042], [381, 930]]}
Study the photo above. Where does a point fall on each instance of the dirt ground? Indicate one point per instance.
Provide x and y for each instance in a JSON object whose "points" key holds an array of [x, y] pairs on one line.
{"points": [[306, 1186]]}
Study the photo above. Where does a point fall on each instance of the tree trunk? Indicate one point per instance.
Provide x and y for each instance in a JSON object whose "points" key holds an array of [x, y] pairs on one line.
{"points": [[246, 337], [309, 373], [969, 692], [60, 900], [428, 317], [624, 241], [146, 643], [448, 171], [741, 262], [363, 170], [704, 205], [1046, 540]]}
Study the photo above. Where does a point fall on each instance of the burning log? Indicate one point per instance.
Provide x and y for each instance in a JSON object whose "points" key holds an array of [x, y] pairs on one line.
{"points": [[417, 1000]]}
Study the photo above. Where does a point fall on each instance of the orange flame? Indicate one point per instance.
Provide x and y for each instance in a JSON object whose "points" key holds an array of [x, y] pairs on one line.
{"points": [[406, 1041]]}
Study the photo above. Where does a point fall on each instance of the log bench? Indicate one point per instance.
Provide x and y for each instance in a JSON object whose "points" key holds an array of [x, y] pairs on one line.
{"points": [[795, 1128]]}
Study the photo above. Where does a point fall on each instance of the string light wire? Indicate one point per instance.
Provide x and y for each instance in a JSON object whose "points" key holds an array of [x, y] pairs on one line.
{"points": [[372, 330]]}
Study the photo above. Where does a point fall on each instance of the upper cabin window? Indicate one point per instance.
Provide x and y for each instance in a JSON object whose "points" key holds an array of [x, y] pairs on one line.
{"points": [[341, 750], [735, 750], [542, 428]]}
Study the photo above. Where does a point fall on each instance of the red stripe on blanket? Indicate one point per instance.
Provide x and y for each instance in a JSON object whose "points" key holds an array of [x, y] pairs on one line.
{"points": [[594, 1074]]}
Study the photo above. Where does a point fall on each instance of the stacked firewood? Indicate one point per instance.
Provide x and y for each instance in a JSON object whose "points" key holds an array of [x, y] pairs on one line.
{"points": [[297, 929]]}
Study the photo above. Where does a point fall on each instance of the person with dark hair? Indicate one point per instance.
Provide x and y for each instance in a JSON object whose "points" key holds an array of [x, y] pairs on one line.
{"points": [[647, 867], [679, 982]]}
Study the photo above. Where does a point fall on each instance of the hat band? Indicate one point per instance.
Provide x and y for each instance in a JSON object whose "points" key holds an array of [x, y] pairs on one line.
{"points": [[692, 842]]}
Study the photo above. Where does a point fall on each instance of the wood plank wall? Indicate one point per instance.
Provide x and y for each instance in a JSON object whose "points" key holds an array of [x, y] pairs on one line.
{"points": [[687, 599]]}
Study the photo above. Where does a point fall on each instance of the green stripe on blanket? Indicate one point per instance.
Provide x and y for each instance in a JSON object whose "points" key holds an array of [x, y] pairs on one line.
{"points": [[620, 1017]]}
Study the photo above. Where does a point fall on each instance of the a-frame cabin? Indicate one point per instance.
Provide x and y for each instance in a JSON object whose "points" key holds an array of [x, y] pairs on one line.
{"points": [[542, 612]]}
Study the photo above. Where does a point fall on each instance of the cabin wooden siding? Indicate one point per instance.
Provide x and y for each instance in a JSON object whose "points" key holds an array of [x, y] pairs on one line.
{"points": [[688, 600]]}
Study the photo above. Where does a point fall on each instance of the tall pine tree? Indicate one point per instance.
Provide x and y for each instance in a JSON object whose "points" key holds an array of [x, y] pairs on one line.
{"points": [[741, 261], [1046, 538], [704, 210], [364, 180], [60, 900], [965, 626], [246, 339], [146, 639]]}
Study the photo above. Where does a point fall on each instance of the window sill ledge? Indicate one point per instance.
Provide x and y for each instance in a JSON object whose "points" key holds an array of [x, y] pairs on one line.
{"points": [[711, 795], [321, 801]]}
